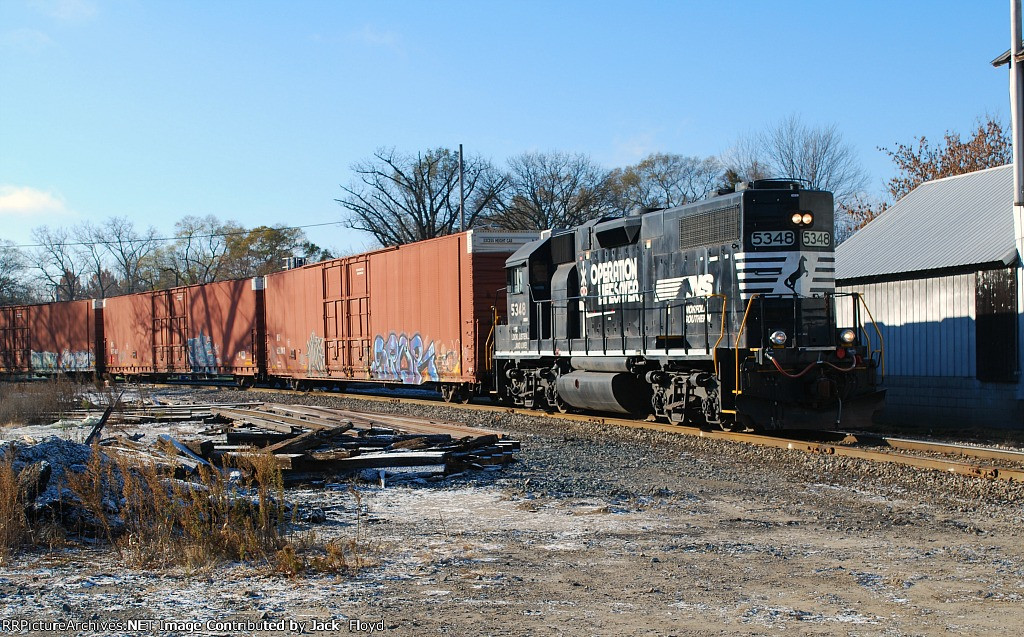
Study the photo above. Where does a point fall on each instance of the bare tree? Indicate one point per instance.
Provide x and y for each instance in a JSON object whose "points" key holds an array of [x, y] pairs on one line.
{"points": [[745, 161], [403, 198], [552, 190], [13, 288], [817, 156], [855, 213], [59, 267], [130, 251], [663, 180], [91, 253], [196, 256]]}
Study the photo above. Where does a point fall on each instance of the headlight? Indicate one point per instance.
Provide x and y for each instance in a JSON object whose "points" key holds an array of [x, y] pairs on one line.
{"points": [[802, 218], [778, 337], [847, 337]]}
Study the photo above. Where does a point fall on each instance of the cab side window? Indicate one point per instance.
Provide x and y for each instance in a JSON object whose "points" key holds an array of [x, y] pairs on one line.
{"points": [[515, 280]]}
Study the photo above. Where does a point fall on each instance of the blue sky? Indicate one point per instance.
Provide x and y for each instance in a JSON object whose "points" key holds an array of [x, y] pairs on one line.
{"points": [[255, 111]]}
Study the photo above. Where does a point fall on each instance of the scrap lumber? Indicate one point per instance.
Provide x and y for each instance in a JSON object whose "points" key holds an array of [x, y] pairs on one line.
{"points": [[98, 427], [316, 441], [202, 448], [260, 420], [308, 440], [376, 460], [254, 437], [183, 450], [272, 420]]}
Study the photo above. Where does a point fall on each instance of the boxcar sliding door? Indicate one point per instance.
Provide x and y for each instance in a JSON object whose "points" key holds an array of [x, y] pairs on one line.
{"points": [[347, 317]]}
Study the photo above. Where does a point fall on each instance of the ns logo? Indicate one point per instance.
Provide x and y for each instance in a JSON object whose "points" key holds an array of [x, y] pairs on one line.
{"points": [[684, 287]]}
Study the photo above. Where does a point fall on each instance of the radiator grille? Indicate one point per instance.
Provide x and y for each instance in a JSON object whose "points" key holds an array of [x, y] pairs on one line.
{"points": [[563, 248], [709, 228]]}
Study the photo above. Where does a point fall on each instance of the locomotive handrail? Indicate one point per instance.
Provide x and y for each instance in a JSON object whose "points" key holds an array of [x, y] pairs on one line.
{"points": [[643, 310], [881, 341], [860, 327], [489, 341], [736, 391], [721, 335]]}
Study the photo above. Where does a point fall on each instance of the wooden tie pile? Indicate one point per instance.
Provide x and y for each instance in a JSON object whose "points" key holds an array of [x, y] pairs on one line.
{"points": [[306, 441]]}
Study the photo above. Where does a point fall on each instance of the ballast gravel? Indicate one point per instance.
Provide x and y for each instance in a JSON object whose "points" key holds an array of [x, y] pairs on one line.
{"points": [[595, 530]]}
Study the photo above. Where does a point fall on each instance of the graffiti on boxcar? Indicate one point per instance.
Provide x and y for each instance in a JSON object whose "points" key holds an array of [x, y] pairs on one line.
{"points": [[316, 363], [202, 354], [449, 360], [404, 359], [66, 361]]}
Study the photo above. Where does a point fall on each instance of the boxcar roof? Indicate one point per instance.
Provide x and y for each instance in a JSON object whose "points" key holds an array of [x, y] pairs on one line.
{"points": [[947, 223]]}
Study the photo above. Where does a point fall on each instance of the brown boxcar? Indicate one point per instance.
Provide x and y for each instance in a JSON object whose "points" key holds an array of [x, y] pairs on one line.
{"points": [[48, 339], [128, 334], [197, 330], [419, 313]]}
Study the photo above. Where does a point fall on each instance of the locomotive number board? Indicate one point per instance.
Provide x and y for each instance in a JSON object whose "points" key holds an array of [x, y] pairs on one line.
{"points": [[816, 238], [772, 238]]}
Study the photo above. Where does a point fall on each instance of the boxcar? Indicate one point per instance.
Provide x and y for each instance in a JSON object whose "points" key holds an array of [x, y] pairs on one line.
{"points": [[199, 330], [50, 338], [414, 314]]}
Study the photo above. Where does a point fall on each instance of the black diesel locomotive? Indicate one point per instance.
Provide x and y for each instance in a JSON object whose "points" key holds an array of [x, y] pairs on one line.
{"points": [[721, 312]]}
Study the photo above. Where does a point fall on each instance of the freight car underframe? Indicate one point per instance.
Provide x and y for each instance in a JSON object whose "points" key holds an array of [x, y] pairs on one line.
{"points": [[460, 392], [763, 386]]}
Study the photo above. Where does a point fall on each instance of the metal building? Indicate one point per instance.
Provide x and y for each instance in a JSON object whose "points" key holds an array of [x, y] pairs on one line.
{"points": [[939, 273]]}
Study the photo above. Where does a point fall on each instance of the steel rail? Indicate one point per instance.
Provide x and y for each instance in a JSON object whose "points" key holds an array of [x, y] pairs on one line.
{"points": [[970, 451], [937, 464]]}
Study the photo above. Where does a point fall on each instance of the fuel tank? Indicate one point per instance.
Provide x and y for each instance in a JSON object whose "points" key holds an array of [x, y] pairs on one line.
{"points": [[620, 393]]}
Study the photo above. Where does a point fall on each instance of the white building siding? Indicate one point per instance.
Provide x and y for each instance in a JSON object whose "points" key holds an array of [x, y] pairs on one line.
{"points": [[927, 324]]}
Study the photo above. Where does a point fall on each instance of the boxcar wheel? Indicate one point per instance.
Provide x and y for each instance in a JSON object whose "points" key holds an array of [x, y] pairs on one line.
{"points": [[455, 393]]}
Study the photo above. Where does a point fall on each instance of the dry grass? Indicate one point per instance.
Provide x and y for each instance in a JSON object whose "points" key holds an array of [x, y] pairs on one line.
{"points": [[307, 553], [164, 522], [14, 530], [153, 520], [18, 528], [38, 401]]}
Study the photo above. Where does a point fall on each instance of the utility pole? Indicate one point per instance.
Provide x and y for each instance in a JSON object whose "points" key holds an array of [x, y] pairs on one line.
{"points": [[1016, 110], [1014, 58], [1017, 139], [462, 191]]}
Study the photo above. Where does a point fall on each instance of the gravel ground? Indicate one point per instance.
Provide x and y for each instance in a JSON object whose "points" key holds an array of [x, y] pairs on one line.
{"points": [[597, 530]]}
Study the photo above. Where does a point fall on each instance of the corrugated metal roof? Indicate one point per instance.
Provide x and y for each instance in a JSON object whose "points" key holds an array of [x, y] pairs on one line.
{"points": [[946, 223]]}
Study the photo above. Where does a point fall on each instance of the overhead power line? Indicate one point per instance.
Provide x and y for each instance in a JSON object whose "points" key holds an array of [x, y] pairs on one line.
{"points": [[194, 236]]}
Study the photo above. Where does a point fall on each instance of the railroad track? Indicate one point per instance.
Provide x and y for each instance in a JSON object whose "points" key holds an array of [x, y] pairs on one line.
{"points": [[979, 462]]}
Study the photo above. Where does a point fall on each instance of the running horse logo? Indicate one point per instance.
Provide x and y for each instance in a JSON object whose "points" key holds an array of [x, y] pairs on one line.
{"points": [[791, 280]]}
